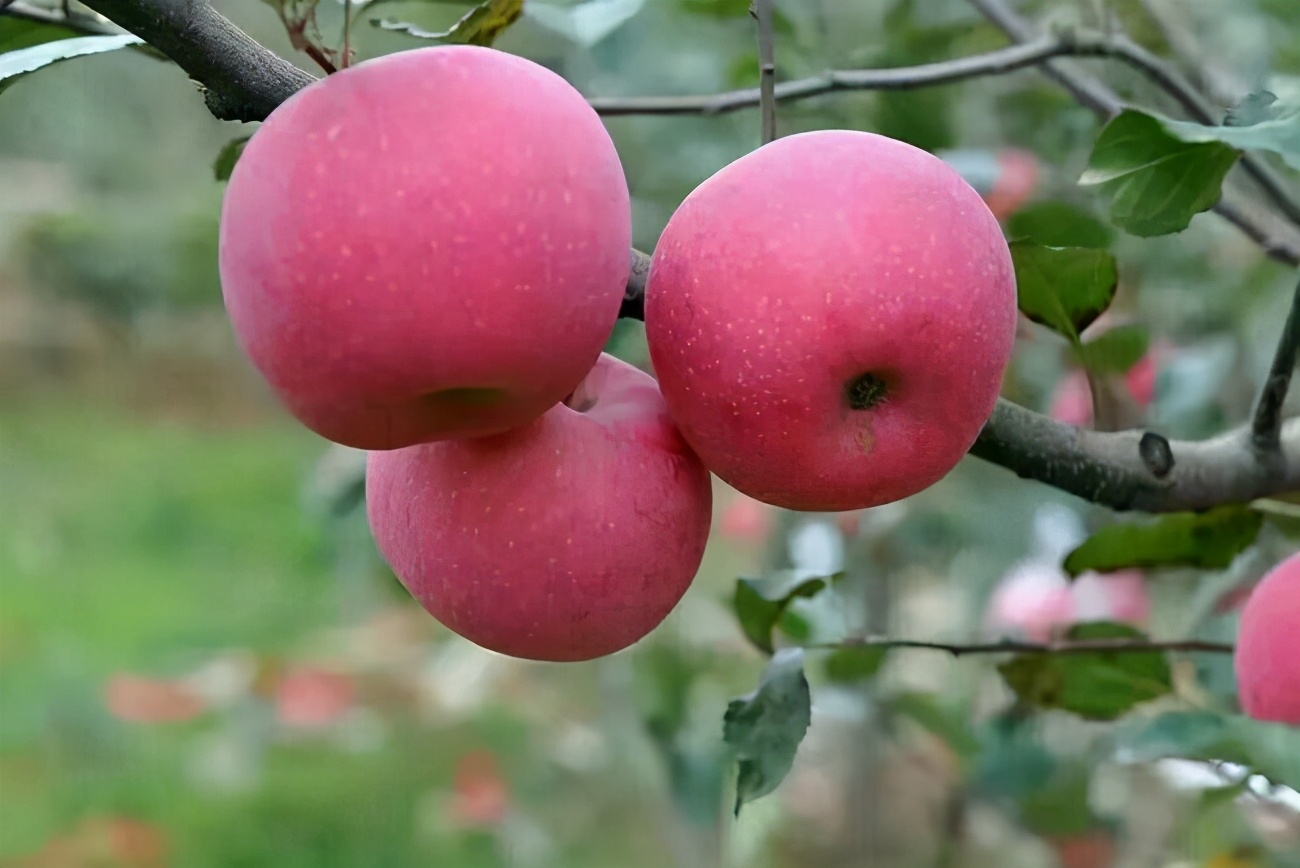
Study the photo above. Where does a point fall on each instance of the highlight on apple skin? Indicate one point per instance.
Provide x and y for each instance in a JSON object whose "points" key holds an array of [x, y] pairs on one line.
{"points": [[1267, 657], [427, 245], [567, 539], [830, 318]]}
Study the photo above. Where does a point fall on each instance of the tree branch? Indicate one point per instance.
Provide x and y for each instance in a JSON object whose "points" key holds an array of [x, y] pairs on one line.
{"points": [[999, 62], [1094, 95], [241, 80], [1064, 646], [1267, 424]]}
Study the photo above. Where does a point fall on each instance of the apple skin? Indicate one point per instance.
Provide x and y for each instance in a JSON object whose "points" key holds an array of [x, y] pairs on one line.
{"points": [[430, 244], [1267, 658], [801, 267], [567, 539]]}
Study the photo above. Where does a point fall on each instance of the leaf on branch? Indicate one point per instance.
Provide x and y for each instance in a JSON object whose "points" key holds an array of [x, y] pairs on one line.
{"points": [[1207, 540], [15, 64], [1254, 108], [229, 154], [1271, 750], [1058, 224], [1156, 181], [479, 26], [586, 23], [852, 664], [760, 603], [1278, 133], [1100, 685], [1063, 288], [765, 727], [1116, 350]]}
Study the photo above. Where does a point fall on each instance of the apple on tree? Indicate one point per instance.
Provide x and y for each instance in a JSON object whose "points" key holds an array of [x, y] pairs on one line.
{"points": [[427, 245], [1267, 657], [830, 318], [566, 539]]}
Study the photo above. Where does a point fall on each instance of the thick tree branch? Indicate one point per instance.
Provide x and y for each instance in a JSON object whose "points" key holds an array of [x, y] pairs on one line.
{"points": [[1121, 471], [1267, 425], [241, 80], [1094, 95], [1064, 646]]}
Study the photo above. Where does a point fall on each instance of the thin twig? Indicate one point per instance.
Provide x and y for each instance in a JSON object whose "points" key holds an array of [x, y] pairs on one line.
{"points": [[1093, 94], [346, 59], [762, 12], [1064, 646], [999, 62], [1267, 424]]}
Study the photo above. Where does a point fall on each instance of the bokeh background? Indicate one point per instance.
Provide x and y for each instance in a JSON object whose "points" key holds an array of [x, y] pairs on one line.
{"points": [[204, 663]]}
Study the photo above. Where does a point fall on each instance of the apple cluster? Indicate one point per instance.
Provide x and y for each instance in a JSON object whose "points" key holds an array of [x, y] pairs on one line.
{"points": [[425, 254]]}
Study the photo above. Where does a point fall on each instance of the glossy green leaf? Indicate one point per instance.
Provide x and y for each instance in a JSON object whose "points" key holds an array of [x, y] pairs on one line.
{"points": [[854, 663], [1115, 350], [479, 26], [1063, 288], [1101, 685], [1058, 224], [16, 33], [1208, 540], [765, 727], [1155, 181], [227, 157], [15, 64], [760, 603], [1279, 135]]}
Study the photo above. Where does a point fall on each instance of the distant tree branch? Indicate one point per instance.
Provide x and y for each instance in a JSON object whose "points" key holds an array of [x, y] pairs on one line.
{"points": [[762, 12], [245, 81], [1095, 95], [1064, 646]]}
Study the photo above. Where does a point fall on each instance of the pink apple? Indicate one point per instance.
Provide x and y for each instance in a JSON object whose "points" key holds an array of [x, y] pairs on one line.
{"points": [[309, 698], [566, 539], [1267, 659], [747, 520], [1032, 601], [1072, 401], [427, 245], [1119, 596], [830, 317], [1016, 181]]}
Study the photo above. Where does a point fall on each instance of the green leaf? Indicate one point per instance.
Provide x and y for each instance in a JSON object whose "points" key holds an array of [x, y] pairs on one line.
{"points": [[16, 33], [1100, 685], [15, 64], [1058, 224], [1269, 749], [1116, 350], [1279, 134], [1253, 108], [228, 156], [1156, 182], [765, 727], [854, 663], [1207, 540], [1063, 288], [479, 26], [760, 603]]}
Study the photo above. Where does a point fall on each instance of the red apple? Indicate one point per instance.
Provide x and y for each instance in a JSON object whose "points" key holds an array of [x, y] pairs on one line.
{"points": [[747, 520], [427, 245], [566, 539], [1267, 658], [1016, 181], [830, 317]]}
